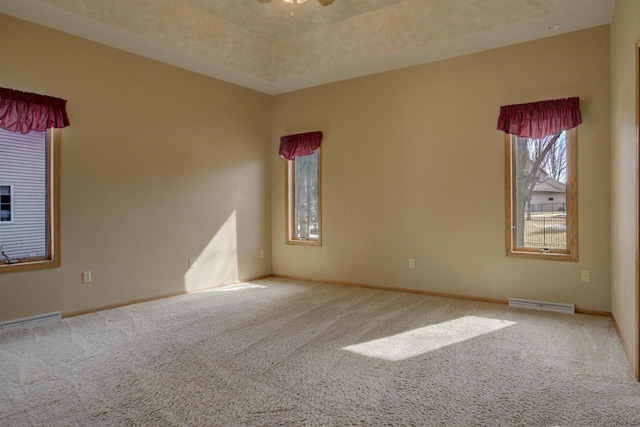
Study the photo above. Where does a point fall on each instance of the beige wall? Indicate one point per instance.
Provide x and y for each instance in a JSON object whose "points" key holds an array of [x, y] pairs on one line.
{"points": [[161, 165], [413, 167], [158, 166], [625, 29]]}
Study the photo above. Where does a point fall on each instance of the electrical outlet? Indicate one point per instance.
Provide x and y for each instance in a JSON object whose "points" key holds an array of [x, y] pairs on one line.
{"points": [[586, 276], [192, 262], [261, 253], [412, 262], [86, 277]]}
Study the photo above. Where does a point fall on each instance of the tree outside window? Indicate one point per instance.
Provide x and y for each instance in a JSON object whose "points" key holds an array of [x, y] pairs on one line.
{"points": [[303, 199]]}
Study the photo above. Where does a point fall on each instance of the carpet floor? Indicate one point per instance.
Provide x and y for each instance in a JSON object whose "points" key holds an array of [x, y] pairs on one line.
{"points": [[281, 352]]}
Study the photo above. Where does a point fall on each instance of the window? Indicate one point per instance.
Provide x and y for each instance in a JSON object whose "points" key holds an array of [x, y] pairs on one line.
{"points": [[29, 194], [304, 199], [534, 168], [6, 203]]}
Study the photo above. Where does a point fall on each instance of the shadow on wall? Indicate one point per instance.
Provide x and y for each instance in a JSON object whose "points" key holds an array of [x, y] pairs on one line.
{"points": [[217, 264]]}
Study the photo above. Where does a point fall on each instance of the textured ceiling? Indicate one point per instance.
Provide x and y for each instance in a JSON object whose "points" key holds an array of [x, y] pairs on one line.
{"points": [[274, 22], [260, 46]]}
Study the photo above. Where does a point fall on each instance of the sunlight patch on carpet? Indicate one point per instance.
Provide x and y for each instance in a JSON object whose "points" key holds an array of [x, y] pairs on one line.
{"points": [[236, 287], [433, 337]]}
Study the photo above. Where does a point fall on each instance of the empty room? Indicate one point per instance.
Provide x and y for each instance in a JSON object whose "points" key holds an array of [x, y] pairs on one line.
{"points": [[319, 212]]}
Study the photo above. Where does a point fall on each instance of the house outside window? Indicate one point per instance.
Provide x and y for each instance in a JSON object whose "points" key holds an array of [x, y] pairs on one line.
{"points": [[541, 163], [540, 224], [28, 205], [30, 162]]}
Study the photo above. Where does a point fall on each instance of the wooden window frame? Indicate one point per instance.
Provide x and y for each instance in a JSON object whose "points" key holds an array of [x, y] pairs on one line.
{"points": [[569, 254], [53, 212], [636, 367], [290, 237]]}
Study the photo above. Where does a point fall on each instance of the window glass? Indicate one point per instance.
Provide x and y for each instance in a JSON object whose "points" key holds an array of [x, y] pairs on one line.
{"points": [[542, 199], [28, 200], [5, 203], [303, 198]]}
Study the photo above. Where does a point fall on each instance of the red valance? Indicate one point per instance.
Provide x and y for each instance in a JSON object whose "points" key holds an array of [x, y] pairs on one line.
{"points": [[540, 119], [24, 112], [300, 144]]}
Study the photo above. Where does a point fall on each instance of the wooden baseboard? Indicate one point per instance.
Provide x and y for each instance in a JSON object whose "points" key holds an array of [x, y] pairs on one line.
{"points": [[121, 304], [332, 282], [625, 347], [405, 290], [430, 293], [156, 297], [593, 312]]}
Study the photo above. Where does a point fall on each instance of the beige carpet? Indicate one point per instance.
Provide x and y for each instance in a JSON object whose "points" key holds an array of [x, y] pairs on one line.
{"points": [[277, 352]]}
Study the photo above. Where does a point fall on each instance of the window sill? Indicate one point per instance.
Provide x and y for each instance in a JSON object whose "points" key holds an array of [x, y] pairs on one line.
{"points": [[551, 256], [28, 265], [304, 242]]}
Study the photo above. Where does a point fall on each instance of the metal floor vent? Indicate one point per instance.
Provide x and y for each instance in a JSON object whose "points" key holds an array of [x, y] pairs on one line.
{"points": [[542, 305], [29, 321]]}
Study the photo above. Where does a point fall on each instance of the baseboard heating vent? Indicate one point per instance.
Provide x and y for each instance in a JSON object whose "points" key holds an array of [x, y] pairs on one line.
{"points": [[542, 305], [29, 321]]}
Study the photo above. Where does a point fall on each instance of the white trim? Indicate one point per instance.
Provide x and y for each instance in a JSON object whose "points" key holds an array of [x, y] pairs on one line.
{"points": [[12, 210]]}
